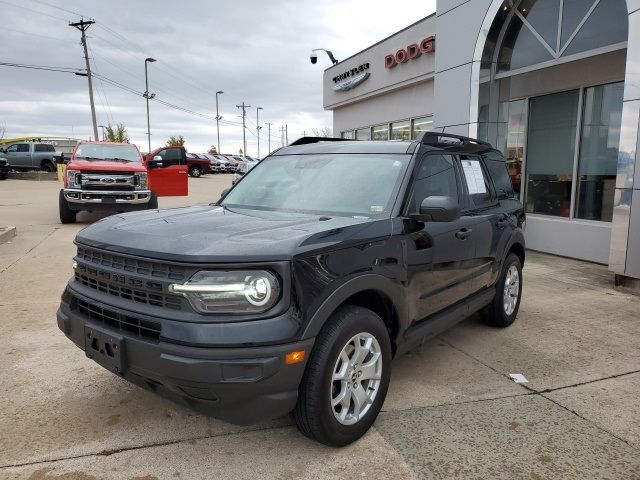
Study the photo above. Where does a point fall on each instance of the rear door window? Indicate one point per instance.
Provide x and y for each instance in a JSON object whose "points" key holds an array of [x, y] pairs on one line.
{"points": [[23, 148], [44, 147], [476, 181]]}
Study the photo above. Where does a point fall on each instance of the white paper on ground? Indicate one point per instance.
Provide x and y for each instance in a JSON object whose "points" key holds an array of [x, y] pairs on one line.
{"points": [[518, 378], [474, 177]]}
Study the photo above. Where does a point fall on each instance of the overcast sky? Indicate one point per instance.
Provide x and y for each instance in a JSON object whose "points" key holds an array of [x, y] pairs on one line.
{"points": [[255, 51]]}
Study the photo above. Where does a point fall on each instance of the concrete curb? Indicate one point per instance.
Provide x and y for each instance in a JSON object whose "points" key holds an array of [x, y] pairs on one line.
{"points": [[34, 175], [7, 233]]}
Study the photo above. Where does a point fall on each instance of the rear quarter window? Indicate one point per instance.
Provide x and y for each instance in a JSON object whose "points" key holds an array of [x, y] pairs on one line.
{"points": [[497, 167], [477, 181], [44, 147]]}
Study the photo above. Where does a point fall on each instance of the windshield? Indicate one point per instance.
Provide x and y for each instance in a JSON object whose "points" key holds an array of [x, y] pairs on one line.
{"points": [[328, 184], [105, 151]]}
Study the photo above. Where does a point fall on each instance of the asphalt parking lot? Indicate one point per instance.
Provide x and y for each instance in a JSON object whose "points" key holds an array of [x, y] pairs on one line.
{"points": [[452, 411]]}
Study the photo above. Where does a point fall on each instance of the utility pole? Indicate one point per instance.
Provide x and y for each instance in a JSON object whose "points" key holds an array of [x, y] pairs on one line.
{"points": [[282, 135], [244, 126], [218, 118], [269, 138], [148, 95], [258, 129], [286, 133], [83, 25]]}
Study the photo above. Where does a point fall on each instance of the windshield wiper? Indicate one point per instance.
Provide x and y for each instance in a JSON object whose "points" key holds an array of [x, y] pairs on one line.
{"points": [[90, 158], [116, 159]]}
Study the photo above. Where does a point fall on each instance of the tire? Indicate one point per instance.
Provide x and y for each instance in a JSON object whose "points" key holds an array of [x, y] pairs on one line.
{"points": [[195, 171], [498, 313], [314, 414], [153, 202], [48, 167], [66, 214]]}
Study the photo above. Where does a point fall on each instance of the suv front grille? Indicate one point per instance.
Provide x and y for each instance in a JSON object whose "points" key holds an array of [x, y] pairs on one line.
{"points": [[132, 265], [128, 278], [140, 296], [124, 323]]}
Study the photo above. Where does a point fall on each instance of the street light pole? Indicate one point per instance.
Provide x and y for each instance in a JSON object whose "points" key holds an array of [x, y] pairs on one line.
{"points": [[269, 138], [147, 96], [258, 128], [102, 127], [218, 117]]}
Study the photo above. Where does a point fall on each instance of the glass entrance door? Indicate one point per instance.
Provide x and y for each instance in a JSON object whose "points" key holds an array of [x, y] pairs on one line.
{"points": [[551, 153]]}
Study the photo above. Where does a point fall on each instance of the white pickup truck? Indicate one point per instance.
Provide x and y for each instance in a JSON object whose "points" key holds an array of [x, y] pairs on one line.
{"points": [[31, 156]]}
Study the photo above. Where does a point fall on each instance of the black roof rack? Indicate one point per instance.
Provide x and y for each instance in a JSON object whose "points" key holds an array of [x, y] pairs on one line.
{"points": [[438, 139], [307, 140]]}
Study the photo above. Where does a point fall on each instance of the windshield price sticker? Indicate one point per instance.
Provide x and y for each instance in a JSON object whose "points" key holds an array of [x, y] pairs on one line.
{"points": [[474, 177]]}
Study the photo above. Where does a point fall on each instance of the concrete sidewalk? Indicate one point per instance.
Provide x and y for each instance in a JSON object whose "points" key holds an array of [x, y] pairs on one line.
{"points": [[451, 412]]}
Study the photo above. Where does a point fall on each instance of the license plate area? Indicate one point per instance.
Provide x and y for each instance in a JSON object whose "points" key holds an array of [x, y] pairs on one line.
{"points": [[108, 199], [105, 348]]}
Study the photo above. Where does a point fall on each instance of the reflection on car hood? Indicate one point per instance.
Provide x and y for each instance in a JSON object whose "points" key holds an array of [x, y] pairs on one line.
{"points": [[210, 233]]}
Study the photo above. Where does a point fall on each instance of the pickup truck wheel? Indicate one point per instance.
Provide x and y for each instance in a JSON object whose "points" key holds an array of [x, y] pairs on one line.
{"points": [[47, 166], [66, 214], [195, 171], [502, 311], [346, 378], [153, 202]]}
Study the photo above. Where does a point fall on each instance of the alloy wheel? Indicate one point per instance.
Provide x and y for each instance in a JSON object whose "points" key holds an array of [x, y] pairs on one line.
{"points": [[356, 378], [511, 290]]}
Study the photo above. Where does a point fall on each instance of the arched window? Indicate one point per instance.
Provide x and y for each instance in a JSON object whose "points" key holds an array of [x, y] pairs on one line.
{"points": [[539, 31]]}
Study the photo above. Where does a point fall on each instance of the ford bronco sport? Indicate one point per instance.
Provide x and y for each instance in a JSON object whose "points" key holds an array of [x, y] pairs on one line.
{"points": [[296, 289]]}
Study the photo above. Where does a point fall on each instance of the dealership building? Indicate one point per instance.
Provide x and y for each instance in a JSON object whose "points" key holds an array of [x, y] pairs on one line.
{"points": [[553, 84]]}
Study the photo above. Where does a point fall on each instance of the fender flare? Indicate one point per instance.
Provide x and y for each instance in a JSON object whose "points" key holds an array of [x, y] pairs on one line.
{"points": [[385, 286]]}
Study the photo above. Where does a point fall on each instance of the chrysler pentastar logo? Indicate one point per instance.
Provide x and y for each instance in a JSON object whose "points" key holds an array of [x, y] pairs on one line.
{"points": [[351, 78]]}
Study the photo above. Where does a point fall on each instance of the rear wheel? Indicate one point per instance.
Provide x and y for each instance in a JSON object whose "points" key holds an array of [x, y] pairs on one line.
{"points": [[66, 214], [153, 202], [502, 311], [195, 171], [347, 377], [48, 166]]}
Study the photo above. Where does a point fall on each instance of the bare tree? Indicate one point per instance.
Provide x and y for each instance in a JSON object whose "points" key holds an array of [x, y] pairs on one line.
{"points": [[321, 132]]}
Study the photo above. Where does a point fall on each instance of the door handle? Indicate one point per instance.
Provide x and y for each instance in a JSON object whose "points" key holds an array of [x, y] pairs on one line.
{"points": [[463, 233], [181, 172]]}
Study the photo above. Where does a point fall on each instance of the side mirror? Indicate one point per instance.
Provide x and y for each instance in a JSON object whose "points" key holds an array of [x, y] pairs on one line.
{"points": [[157, 162], [438, 209]]}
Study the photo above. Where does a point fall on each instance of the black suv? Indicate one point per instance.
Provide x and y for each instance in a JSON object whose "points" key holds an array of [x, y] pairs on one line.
{"points": [[296, 289]]}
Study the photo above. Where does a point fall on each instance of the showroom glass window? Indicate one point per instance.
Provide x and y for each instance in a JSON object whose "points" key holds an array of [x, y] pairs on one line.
{"points": [[401, 130], [512, 122], [598, 159], [381, 132], [545, 30], [363, 134], [421, 125]]}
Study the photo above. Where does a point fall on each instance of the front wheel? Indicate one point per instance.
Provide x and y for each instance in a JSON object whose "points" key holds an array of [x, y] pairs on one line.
{"points": [[502, 311], [195, 171], [347, 377], [153, 202], [66, 214]]}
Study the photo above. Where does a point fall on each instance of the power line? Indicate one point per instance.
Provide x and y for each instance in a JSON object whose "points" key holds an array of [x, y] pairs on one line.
{"points": [[77, 71], [59, 8], [33, 11]]}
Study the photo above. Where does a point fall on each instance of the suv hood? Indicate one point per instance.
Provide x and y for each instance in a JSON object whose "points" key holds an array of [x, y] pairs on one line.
{"points": [[105, 165], [213, 234]]}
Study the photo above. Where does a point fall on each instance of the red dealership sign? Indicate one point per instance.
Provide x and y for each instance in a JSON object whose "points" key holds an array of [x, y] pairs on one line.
{"points": [[427, 45]]}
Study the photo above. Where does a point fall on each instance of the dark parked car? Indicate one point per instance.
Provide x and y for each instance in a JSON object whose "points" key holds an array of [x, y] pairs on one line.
{"points": [[297, 288], [198, 165]]}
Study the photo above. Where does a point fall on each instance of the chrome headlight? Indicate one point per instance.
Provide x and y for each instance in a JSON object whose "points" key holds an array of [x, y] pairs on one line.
{"points": [[143, 180], [73, 178], [232, 291]]}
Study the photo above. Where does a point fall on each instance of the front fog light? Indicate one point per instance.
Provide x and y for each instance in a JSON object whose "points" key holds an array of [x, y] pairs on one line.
{"points": [[233, 291]]}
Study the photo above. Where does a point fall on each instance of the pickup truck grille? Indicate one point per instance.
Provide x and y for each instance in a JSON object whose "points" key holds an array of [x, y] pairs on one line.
{"points": [[118, 321], [128, 278], [108, 181]]}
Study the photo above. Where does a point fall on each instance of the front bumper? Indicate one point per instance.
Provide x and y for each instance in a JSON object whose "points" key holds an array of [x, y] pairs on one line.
{"points": [[130, 197], [241, 385]]}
